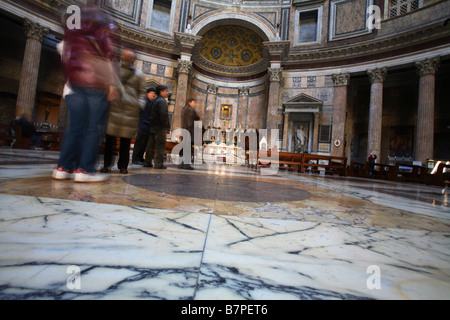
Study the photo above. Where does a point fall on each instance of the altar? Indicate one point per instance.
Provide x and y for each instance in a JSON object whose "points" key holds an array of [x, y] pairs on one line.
{"points": [[222, 153]]}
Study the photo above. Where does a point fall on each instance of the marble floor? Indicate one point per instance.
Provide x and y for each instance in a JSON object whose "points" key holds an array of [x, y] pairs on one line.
{"points": [[216, 233]]}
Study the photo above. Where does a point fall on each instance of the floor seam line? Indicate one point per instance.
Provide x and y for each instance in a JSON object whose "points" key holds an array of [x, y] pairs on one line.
{"points": [[201, 258]]}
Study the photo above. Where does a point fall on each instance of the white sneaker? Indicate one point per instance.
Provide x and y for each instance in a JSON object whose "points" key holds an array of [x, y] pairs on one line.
{"points": [[59, 173], [82, 176]]}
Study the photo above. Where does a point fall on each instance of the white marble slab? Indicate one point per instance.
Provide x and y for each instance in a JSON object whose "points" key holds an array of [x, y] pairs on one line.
{"points": [[141, 253], [123, 252], [249, 258]]}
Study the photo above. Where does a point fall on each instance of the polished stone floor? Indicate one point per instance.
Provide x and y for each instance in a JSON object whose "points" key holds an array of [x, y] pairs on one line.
{"points": [[218, 232]]}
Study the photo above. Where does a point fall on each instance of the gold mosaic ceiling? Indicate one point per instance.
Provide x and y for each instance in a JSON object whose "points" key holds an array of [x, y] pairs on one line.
{"points": [[232, 46]]}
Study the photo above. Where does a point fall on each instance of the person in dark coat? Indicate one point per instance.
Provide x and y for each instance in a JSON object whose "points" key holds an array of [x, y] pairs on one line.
{"points": [[28, 130], [372, 159], [124, 113], [159, 125], [189, 116], [144, 129]]}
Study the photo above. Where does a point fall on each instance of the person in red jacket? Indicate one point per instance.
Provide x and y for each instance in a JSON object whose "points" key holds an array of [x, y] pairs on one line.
{"points": [[372, 159], [87, 58]]}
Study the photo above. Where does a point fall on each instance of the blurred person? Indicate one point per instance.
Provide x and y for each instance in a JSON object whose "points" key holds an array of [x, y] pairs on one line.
{"points": [[189, 116], [124, 113], [372, 159], [159, 125], [144, 129], [88, 65], [28, 131]]}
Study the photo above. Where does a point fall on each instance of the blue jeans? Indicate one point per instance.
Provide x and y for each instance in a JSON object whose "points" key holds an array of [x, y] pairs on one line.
{"points": [[88, 111]]}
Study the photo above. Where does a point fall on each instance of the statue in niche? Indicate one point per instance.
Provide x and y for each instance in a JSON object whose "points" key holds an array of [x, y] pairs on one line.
{"points": [[301, 138]]}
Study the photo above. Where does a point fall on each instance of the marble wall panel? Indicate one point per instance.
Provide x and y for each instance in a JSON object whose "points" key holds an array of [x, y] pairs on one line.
{"points": [[124, 9], [348, 18]]}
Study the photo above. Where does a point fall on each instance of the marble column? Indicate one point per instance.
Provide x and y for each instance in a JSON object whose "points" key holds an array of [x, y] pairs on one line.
{"points": [[377, 77], [274, 97], [241, 119], [185, 42], [425, 114], [315, 146], [285, 131], [211, 95], [30, 68], [341, 82], [184, 68]]}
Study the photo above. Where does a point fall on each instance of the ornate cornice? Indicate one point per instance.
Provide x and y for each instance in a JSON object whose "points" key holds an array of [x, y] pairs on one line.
{"points": [[370, 47], [186, 41], [427, 66], [146, 40], [377, 75], [35, 31], [341, 79], [277, 49]]}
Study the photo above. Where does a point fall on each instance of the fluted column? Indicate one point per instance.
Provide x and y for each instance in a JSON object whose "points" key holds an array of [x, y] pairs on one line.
{"points": [[377, 76], [274, 97], [185, 43], [341, 82], [184, 68], [425, 114], [285, 131], [209, 116], [30, 68], [241, 120]]}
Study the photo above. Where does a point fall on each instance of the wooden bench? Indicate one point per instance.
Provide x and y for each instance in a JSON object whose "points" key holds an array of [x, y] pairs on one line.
{"points": [[12, 136], [301, 162], [311, 163], [286, 160], [401, 173], [51, 140], [440, 177], [408, 173]]}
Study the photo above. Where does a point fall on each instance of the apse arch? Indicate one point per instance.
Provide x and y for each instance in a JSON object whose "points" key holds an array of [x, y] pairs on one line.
{"points": [[248, 20]]}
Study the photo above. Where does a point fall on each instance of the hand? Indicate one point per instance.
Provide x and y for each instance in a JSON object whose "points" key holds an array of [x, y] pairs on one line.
{"points": [[113, 94]]}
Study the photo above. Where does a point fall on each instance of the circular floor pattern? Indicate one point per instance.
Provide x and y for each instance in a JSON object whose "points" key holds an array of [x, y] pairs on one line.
{"points": [[217, 187]]}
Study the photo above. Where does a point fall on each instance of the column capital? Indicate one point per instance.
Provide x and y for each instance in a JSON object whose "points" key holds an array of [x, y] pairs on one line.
{"points": [[377, 74], [34, 30], [212, 88], [341, 79], [244, 91], [275, 74], [427, 66], [184, 66]]}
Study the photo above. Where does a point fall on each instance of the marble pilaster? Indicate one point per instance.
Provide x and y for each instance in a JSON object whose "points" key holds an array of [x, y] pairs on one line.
{"points": [[243, 107], [315, 146], [210, 105], [285, 131], [425, 114], [182, 89], [377, 77], [30, 68], [341, 82], [185, 42], [274, 97]]}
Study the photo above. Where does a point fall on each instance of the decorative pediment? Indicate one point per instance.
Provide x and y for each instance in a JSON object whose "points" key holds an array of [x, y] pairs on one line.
{"points": [[303, 103], [303, 99]]}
